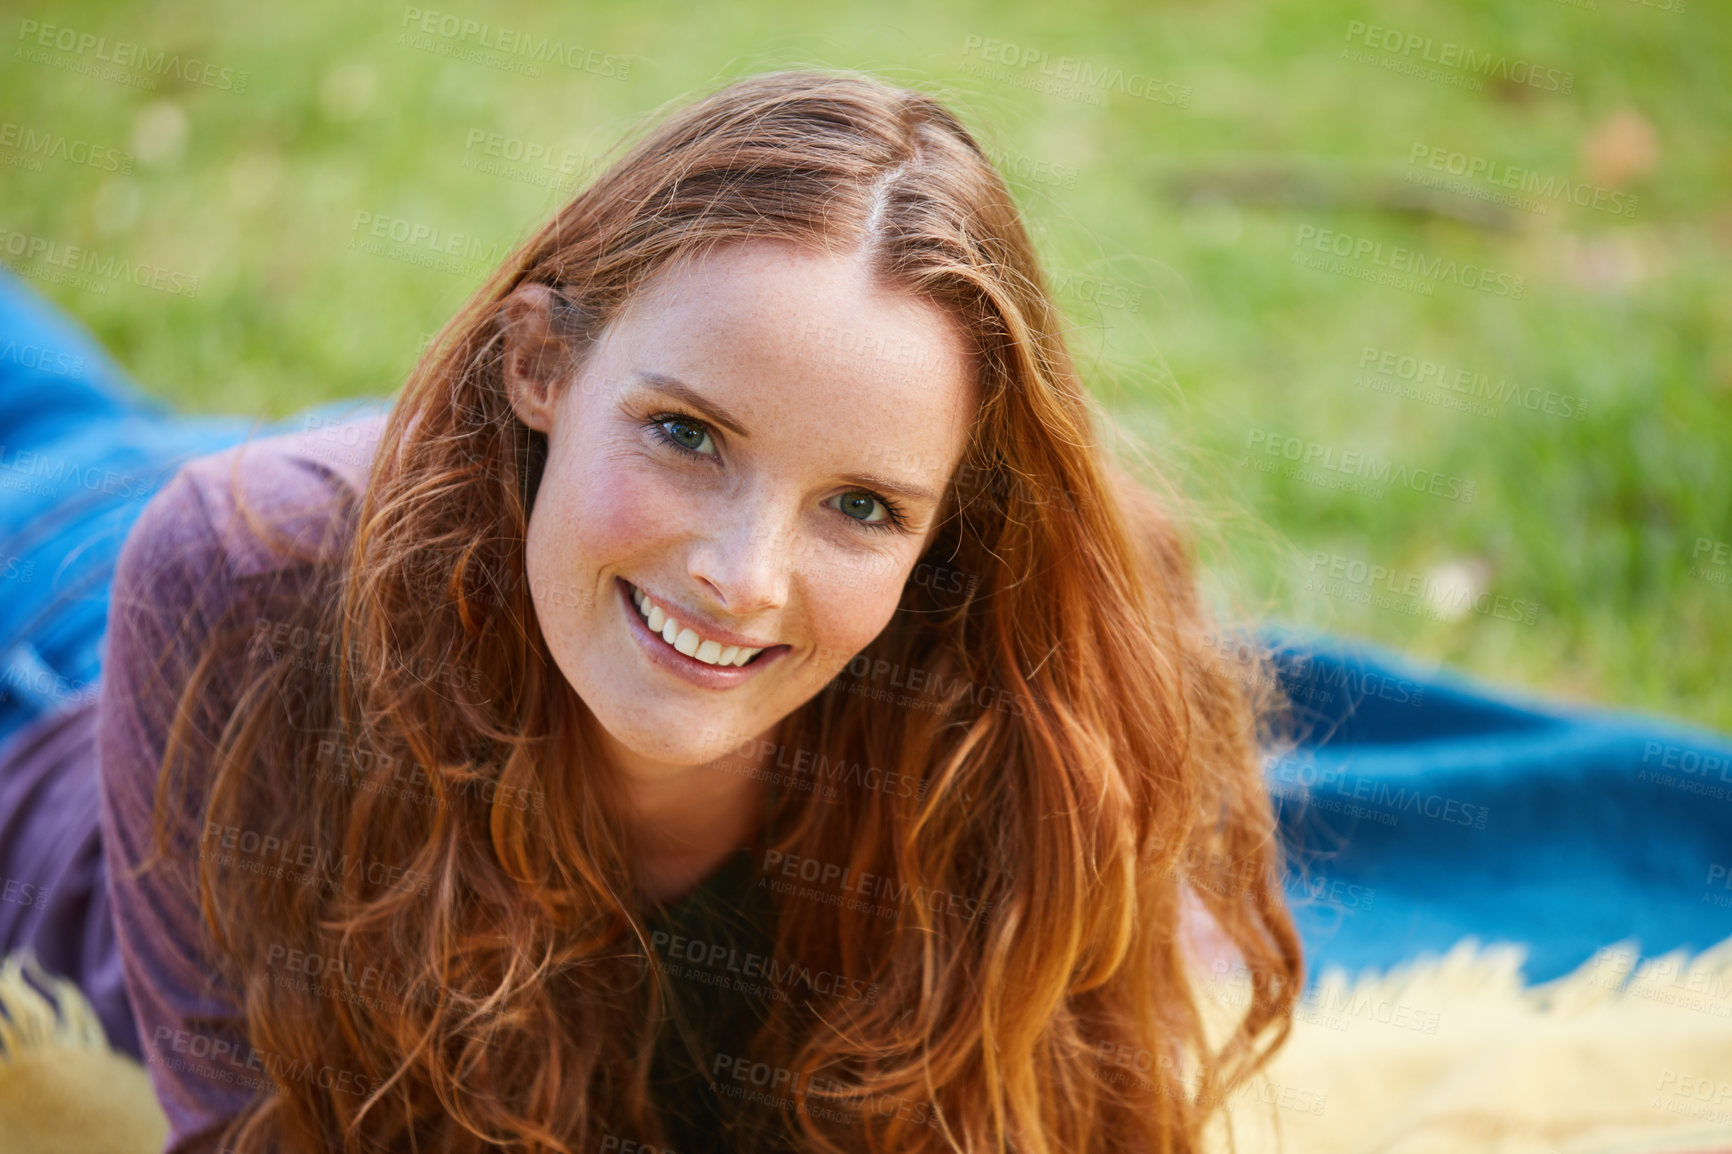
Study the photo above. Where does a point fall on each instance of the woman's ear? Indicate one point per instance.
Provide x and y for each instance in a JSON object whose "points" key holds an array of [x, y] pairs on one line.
{"points": [[534, 355]]}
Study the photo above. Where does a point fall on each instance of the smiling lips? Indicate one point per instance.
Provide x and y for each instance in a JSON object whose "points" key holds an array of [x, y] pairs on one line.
{"points": [[686, 639]]}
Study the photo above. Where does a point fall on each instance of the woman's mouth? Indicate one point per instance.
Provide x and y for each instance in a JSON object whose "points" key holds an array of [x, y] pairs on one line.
{"points": [[684, 650]]}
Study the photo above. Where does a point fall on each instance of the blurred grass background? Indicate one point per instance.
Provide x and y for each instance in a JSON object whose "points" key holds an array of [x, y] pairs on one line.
{"points": [[1187, 207]]}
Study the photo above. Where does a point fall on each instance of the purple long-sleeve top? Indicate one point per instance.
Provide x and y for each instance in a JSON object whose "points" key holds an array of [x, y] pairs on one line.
{"points": [[77, 787]]}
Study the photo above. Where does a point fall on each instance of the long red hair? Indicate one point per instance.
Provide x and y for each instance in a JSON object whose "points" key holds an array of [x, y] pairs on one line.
{"points": [[1091, 755]]}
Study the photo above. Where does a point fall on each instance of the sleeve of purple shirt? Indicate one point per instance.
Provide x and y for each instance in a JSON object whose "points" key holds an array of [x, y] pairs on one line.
{"points": [[189, 558]]}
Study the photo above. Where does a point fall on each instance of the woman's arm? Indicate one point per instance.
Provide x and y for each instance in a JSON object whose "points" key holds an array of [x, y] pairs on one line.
{"points": [[171, 583]]}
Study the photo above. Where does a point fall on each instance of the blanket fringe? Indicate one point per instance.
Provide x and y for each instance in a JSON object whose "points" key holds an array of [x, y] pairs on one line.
{"points": [[1441, 1055], [62, 1086], [29, 1020]]}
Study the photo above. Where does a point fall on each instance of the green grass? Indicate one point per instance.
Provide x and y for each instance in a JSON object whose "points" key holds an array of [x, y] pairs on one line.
{"points": [[1592, 523]]}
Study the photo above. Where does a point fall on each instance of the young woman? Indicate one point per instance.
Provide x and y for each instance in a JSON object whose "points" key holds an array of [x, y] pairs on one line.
{"points": [[729, 701]]}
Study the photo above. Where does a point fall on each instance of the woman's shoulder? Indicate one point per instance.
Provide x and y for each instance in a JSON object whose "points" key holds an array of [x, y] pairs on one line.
{"points": [[254, 506], [219, 533]]}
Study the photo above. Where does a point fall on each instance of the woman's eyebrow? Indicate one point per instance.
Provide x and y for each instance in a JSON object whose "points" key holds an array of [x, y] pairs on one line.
{"points": [[674, 387], [678, 389], [904, 489]]}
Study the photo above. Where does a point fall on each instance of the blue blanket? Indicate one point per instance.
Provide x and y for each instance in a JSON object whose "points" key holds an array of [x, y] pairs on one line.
{"points": [[1421, 806], [1424, 807]]}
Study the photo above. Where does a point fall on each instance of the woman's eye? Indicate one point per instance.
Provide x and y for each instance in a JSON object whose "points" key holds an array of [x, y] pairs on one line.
{"points": [[860, 506], [689, 435]]}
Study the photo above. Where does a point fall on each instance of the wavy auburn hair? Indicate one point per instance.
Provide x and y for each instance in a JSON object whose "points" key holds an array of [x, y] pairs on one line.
{"points": [[1124, 783]]}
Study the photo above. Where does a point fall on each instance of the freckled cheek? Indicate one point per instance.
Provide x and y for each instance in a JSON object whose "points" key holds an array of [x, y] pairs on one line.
{"points": [[611, 516], [848, 613]]}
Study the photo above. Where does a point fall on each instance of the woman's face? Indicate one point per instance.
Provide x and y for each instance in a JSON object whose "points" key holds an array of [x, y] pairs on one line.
{"points": [[758, 444]]}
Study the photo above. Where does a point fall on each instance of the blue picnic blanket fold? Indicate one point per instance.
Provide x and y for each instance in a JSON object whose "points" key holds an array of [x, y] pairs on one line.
{"points": [[82, 449], [1423, 807]]}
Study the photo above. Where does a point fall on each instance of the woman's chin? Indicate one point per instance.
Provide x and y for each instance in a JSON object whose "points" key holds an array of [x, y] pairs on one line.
{"points": [[636, 740]]}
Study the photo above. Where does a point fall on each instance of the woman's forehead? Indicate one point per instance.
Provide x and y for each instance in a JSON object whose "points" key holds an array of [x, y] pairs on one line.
{"points": [[794, 286], [785, 335]]}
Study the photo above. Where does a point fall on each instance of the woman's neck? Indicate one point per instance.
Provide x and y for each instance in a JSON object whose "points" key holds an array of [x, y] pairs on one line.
{"points": [[686, 820], [684, 835]]}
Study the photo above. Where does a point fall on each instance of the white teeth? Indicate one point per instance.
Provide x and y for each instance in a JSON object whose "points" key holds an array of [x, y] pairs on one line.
{"points": [[688, 640]]}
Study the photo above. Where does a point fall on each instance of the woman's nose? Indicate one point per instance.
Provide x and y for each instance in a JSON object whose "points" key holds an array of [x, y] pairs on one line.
{"points": [[747, 563]]}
